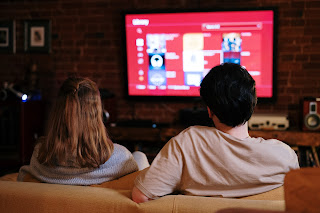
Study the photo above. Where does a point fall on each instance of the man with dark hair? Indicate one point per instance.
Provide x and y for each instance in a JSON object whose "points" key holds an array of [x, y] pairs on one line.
{"points": [[229, 93], [223, 160]]}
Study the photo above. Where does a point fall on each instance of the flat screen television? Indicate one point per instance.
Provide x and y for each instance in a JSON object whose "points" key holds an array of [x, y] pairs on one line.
{"points": [[167, 54]]}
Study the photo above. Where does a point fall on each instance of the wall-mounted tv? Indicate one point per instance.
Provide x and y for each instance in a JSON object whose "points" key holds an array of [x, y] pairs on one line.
{"points": [[168, 53]]}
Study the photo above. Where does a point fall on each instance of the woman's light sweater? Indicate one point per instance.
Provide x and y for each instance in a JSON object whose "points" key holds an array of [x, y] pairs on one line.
{"points": [[119, 164]]}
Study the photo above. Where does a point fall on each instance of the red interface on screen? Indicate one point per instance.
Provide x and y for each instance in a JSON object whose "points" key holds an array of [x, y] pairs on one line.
{"points": [[168, 54]]}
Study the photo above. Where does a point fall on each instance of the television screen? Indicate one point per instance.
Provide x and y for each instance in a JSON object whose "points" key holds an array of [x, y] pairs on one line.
{"points": [[168, 54]]}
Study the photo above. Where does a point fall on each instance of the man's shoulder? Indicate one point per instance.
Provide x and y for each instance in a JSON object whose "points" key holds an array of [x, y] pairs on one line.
{"points": [[274, 147], [194, 134], [271, 141], [198, 129]]}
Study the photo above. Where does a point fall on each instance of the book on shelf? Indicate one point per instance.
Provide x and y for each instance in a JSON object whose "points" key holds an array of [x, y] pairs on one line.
{"points": [[316, 156], [308, 156]]}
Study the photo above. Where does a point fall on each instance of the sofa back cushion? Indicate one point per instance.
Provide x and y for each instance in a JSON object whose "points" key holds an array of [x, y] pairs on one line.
{"points": [[123, 183], [191, 204], [275, 194], [30, 197]]}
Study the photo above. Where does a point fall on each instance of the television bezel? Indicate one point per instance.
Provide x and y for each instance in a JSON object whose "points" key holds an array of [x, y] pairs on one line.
{"points": [[147, 98]]}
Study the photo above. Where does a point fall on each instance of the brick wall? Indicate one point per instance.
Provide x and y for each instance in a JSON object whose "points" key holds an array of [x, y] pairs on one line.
{"points": [[86, 41]]}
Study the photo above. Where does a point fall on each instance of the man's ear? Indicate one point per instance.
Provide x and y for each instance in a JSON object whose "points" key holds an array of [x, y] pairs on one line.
{"points": [[209, 112]]}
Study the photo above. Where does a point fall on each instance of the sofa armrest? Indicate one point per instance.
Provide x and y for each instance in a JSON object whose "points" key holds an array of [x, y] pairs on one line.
{"points": [[302, 190]]}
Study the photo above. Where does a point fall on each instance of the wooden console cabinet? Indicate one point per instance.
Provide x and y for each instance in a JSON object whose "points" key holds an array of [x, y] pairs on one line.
{"points": [[291, 137], [134, 134]]}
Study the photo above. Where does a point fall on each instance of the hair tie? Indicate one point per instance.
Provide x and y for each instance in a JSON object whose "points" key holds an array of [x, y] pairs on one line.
{"points": [[76, 89]]}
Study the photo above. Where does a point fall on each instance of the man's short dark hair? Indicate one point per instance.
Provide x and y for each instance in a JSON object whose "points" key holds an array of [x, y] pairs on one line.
{"points": [[229, 92]]}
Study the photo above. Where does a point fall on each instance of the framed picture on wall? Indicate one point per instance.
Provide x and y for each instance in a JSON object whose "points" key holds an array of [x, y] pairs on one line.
{"points": [[37, 36], [7, 37]]}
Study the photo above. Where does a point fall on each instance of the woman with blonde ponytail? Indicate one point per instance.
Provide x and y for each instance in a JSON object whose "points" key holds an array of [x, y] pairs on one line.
{"points": [[76, 149]]}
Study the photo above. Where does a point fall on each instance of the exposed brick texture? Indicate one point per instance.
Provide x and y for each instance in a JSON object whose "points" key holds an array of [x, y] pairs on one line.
{"points": [[86, 40]]}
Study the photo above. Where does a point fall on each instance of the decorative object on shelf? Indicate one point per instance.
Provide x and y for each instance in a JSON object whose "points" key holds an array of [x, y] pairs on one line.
{"points": [[25, 90], [11, 92], [37, 36], [269, 121], [7, 37], [30, 84]]}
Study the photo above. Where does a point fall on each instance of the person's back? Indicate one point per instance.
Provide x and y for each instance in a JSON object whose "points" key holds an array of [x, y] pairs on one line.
{"points": [[76, 149], [222, 160]]}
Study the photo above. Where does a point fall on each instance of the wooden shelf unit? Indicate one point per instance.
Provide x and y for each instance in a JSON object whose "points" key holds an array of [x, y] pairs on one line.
{"points": [[290, 137]]}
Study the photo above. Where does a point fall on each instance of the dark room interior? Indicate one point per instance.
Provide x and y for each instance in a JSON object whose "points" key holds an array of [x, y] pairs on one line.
{"points": [[43, 42]]}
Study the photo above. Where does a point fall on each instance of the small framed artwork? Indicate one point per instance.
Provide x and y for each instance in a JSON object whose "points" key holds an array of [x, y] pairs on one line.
{"points": [[7, 37], [37, 36]]}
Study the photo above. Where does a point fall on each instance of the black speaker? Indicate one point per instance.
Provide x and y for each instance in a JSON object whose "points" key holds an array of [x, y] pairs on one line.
{"points": [[311, 114]]}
